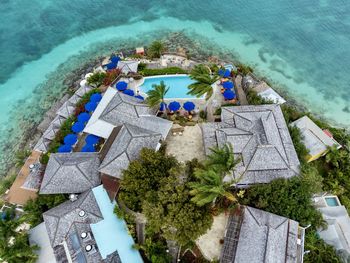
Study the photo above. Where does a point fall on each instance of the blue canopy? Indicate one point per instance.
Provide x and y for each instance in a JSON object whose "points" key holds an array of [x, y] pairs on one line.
{"points": [[111, 65], [229, 94], [70, 139], [221, 72], [78, 127], [96, 97], [92, 139], [90, 106], [189, 106], [162, 106], [115, 59], [65, 148], [228, 85], [227, 73], [174, 106], [83, 117], [129, 92], [88, 148], [121, 85], [140, 97]]}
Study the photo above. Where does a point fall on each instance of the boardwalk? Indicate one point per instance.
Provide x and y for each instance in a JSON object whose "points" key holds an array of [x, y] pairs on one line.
{"points": [[240, 92]]}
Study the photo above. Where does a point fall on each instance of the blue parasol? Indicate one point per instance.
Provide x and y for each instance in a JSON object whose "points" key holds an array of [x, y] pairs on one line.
{"points": [[88, 148], [174, 106], [189, 106], [228, 85], [229, 94], [121, 85], [78, 127], [70, 139], [96, 97], [140, 97], [129, 92], [90, 106], [64, 148], [83, 117], [227, 73], [92, 139], [162, 106], [115, 59]]}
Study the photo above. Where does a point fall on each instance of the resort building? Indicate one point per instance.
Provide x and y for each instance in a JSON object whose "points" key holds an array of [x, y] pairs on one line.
{"points": [[84, 230], [116, 109], [128, 66], [316, 140], [256, 236], [68, 173], [124, 145], [262, 89], [337, 233], [260, 138]]}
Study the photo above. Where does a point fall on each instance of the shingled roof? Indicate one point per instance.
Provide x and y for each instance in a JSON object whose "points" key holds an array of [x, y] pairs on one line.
{"points": [[116, 109], [126, 147], [71, 173], [260, 137], [253, 235], [66, 110], [60, 219]]}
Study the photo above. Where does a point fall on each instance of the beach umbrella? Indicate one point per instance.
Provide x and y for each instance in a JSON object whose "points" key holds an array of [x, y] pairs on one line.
{"points": [[92, 139], [162, 106], [227, 73], [140, 97], [88, 148], [83, 117], [115, 59], [228, 85], [70, 139], [111, 65], [129, 92], [96, 97], [189, 106], [221, 72], [90, 106], [64, 148], [121, 85], [174, 106], [229, 94], [78, 127]]}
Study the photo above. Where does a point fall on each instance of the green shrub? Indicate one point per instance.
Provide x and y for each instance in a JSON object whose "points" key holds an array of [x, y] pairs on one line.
{"points": [[163, 71], [44, 159], [6, 182], [141, 66], [96, 79], [203, 114], [217, 111]]}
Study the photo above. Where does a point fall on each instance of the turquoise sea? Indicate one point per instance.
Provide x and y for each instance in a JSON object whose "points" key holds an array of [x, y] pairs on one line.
{"points": [[301, 46]]}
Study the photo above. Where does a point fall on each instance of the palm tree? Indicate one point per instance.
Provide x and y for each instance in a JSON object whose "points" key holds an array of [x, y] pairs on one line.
{"points": [[157, 94], [204, 79], [222, 159], [156, 49], [209, 188]]}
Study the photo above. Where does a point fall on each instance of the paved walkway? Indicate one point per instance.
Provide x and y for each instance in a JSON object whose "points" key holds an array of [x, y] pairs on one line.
{"points": [[240, 92], [209, 243], [17, 194], [187, 146]]}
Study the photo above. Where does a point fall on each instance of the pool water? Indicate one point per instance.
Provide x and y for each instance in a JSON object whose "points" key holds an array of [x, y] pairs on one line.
{"points": [[111, 233], [331, 201], [177, 85]]}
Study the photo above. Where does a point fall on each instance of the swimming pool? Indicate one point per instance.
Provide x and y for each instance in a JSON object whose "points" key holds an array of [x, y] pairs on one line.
{"points": [[331, 201], [177, 85]]}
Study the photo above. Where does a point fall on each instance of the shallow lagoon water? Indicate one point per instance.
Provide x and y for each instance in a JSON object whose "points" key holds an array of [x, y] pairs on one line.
{"points": [[301, 46]]}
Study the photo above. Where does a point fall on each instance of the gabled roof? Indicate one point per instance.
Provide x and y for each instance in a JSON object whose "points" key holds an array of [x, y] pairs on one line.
{"points": [[70, 173], [116, 109], [260, 137], [66, 110], [254, 235], [50, 132], [74, 99], [126, 147], [60, 219], [83, 90], [314, 138], [128, 66], [42, 145]]}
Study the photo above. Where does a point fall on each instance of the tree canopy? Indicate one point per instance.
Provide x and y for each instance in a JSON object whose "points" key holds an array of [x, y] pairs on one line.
{"points": [[156, 94], [156, 49]]}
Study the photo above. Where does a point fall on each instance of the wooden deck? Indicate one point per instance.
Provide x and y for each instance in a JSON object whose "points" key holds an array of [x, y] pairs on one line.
{"points": [[18, 195]]}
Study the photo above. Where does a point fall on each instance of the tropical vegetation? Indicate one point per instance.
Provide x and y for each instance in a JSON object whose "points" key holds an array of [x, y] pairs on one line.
{"points": [[161, 71], [156, 95], [204, 79], [156, 49], [14, 242]]}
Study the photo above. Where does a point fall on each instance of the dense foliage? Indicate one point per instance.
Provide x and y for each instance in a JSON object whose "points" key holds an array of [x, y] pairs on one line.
{"points": [[14, 243], [203, 78], [157, 185], [96, 79], [156, 49], [162, 71], [35, 208]]}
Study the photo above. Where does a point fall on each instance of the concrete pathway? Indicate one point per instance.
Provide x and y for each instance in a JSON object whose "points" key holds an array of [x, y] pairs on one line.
{"points": [[240, 92]]}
